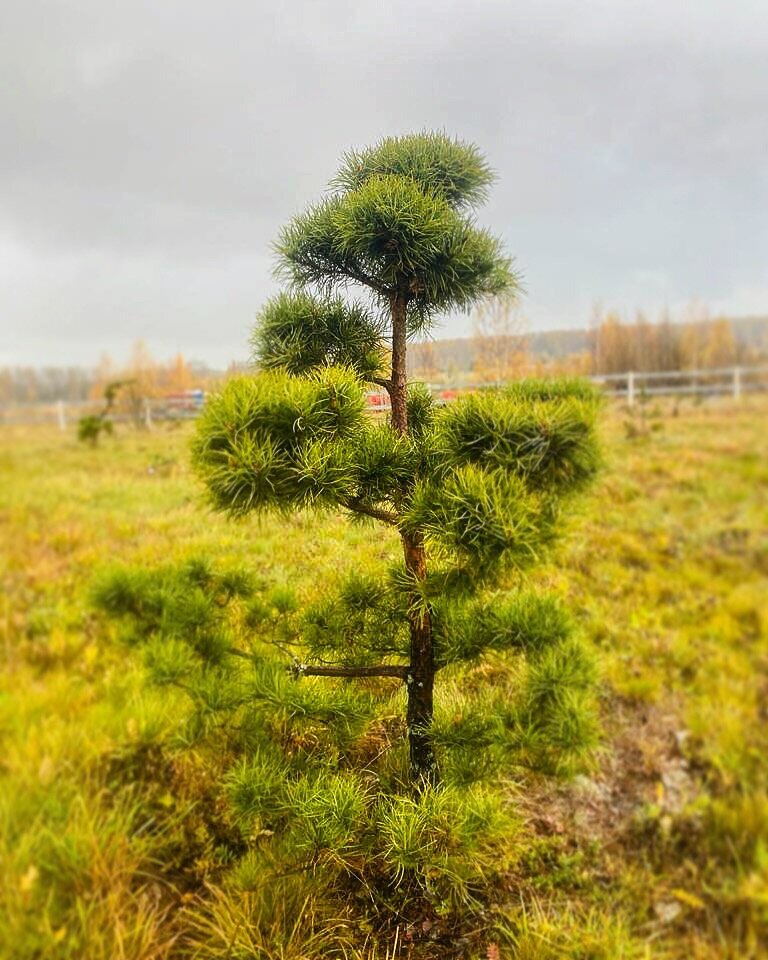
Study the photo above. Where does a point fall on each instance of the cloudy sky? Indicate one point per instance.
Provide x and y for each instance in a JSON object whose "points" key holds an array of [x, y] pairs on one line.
{"points": [[150, 151]]}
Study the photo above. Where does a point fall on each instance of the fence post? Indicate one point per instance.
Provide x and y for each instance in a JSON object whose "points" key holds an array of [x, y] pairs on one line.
{"points": [[631, 388], [737, 383], [61, 415]]}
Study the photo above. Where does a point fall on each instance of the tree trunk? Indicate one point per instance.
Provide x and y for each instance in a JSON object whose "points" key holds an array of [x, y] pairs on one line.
{"points": [[420, 680], [421, 671], [398, 391]]}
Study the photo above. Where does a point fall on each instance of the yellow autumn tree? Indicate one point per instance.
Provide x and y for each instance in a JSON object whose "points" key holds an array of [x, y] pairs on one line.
{"points": [[695, 335], [179, 375], [720, 348], [141, 383], [612, 345]]}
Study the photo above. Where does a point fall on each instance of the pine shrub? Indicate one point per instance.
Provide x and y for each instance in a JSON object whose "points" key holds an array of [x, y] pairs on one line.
{"points": [[344, 757]]}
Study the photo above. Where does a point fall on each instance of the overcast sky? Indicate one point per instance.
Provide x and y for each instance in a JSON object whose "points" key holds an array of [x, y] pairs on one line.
{"points": [[150, 151]]}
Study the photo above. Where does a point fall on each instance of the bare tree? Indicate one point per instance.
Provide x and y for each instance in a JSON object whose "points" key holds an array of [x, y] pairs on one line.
{"points": [[499, 340]]}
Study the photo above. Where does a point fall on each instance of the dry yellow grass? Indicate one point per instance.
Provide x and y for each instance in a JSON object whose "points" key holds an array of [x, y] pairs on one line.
{"points": [[665, 845]]}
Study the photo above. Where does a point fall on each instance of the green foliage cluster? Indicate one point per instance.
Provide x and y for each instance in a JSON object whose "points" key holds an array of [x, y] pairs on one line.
{"points": [[298, 334], [268, 443], [223, 635], [92, 426], [179, 612], [485, 509], [316, 775], [483, 478], [457, 172], [399, 214], [90, 429]]}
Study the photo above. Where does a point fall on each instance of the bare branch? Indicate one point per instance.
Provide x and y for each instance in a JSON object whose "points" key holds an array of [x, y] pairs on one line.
{"points": [[319, 268], [380, 670], [386, 516], [381, 382]]}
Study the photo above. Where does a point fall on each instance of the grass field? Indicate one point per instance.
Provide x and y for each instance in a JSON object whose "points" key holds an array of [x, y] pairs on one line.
{"points": [[108, 839]]}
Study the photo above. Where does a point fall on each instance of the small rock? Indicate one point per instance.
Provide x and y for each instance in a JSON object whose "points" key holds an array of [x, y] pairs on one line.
{"points": [[667, 910]]}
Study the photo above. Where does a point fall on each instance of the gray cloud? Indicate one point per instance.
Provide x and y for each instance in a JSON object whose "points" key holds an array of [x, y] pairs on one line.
{"points": [[149, 152]]}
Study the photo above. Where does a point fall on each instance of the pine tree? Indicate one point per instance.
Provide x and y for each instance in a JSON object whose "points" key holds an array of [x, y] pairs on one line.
{"points": [[473, 489]]}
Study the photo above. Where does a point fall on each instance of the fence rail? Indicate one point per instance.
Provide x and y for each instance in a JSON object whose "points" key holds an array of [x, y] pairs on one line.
{"points": [[720, 381], [632, 386], [64, 413]]}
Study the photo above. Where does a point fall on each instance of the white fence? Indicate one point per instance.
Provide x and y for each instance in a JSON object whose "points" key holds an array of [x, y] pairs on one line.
{"points": [[66, 413], [722, 381], [633, 387]]}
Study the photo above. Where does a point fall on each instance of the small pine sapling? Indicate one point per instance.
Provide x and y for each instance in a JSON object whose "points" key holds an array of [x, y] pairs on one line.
{"points": [[474, 490], [91, 427]]}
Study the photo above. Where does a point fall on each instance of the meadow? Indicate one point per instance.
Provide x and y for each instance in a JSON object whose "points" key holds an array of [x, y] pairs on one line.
{"points": [[112, 838]]}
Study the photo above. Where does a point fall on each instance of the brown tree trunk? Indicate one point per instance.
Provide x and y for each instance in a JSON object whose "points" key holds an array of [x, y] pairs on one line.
{"points": [[398, 390], [420, 678]]}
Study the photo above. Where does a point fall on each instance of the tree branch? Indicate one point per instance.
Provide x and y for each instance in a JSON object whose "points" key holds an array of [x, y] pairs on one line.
{"points": [[381, 382], [386, 516], [366, 281], [380, 670], [325, 267]]}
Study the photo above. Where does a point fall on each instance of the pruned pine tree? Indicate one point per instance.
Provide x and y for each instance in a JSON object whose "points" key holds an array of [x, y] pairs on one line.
{"points": [[473, 489]]}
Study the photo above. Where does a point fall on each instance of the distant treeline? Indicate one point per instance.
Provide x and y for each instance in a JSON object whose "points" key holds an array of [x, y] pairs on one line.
{"points": [[610, 345], [500, 349], [147, 378]]}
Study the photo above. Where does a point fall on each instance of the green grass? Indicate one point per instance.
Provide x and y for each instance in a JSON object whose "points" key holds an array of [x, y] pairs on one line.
{"points": [[111, 842]]}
